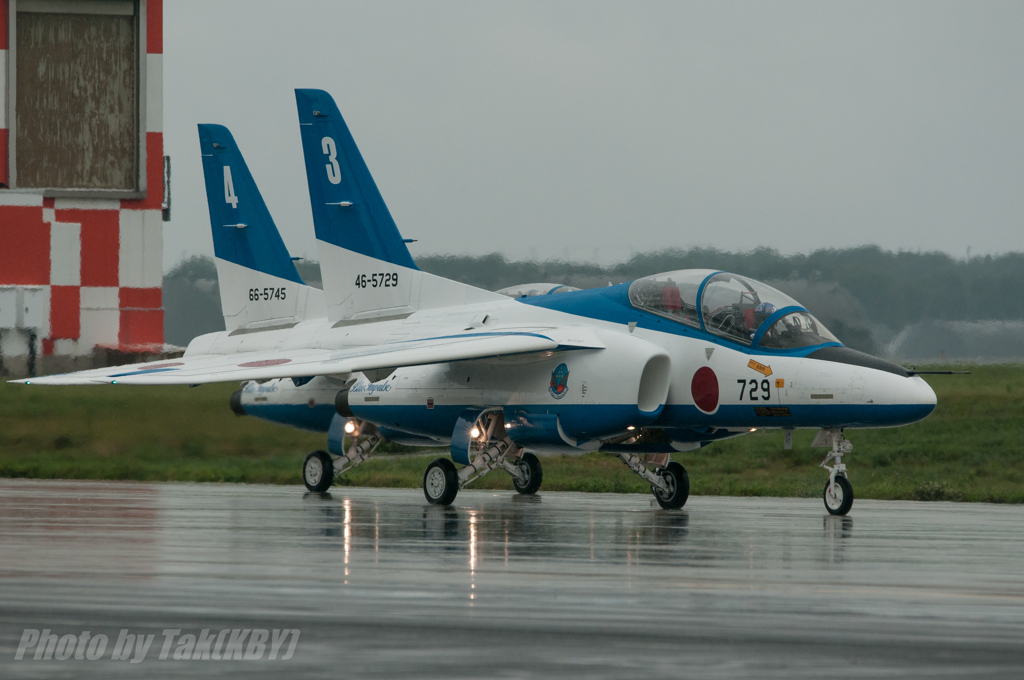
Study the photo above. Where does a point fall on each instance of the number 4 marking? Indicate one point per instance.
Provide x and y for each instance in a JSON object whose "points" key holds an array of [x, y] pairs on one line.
{"points": [[229, 188]]}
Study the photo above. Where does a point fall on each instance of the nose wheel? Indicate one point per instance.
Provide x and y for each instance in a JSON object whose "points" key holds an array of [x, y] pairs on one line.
{"points": [[838, 490], [838, 496]]}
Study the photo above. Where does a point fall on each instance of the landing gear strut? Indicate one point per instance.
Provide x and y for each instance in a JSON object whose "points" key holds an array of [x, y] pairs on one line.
{"points": [[670, 484], [320, 470], [492, 449], [838, 490], [678, 483]]}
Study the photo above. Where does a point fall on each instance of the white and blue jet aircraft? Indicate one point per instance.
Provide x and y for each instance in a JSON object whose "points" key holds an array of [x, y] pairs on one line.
{"points": [[666, 363]]}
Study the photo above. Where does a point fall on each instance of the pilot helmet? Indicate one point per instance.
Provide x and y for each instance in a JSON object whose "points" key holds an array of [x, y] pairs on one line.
{"points": [[765, 308]]}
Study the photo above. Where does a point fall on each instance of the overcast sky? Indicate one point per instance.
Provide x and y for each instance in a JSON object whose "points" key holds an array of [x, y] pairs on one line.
{"points": [[595, 129]]}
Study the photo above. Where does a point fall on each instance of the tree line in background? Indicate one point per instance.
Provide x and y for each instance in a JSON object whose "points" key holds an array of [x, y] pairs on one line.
{"points": [[864, 295], [898, 287]]}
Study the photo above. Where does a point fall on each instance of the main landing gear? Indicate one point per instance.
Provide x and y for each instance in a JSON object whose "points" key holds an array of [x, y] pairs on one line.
{"points": [[320, 469], [492, 449], [838, 491], [669, 482]]}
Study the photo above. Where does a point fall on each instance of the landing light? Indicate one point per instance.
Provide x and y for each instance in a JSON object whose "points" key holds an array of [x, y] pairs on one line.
{"points": [[475, 432], [630, 428], [753, 429], [350, 427]]}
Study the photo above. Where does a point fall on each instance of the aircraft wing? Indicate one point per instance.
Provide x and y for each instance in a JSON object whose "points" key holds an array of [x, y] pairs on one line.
{"points": [[301, 363]]}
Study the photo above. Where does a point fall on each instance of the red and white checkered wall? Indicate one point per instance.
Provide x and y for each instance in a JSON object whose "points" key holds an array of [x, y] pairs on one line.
{"points": [[99, 261]]}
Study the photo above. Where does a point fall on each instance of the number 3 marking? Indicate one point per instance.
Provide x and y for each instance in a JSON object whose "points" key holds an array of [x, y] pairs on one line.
{"points": [[333, 171], [229, 188]]}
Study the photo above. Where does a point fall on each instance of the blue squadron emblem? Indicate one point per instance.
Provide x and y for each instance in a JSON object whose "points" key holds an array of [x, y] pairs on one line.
{"points": [[559, 381]]}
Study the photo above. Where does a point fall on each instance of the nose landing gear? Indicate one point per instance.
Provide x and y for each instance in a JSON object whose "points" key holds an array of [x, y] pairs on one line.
{"points": [[838, 490]]}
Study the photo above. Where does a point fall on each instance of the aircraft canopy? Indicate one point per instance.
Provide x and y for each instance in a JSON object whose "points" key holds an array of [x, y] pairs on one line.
{"points": [[535, 289], [737, 308]]}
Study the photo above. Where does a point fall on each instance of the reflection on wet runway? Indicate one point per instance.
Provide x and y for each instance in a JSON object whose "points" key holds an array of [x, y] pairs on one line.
{"points": [[380, 584]]}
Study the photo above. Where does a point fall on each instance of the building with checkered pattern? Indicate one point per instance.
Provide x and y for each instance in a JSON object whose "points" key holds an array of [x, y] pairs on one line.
{"points": [[84, 184]]}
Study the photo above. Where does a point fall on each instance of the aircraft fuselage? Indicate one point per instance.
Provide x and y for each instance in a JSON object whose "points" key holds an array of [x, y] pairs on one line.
{"points": [[695, 382]]}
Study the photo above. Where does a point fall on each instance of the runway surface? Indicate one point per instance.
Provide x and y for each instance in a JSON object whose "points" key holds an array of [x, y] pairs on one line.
{"points": [[379, 584]]}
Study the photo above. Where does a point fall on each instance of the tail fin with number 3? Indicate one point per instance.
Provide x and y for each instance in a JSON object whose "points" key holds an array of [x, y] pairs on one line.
{"points": [[366, 266]]}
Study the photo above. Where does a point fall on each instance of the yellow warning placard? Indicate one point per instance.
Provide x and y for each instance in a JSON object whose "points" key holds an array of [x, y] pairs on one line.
{"points": [[760, 368]]}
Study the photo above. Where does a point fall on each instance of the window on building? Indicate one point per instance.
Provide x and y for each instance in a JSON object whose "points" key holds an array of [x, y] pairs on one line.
{"points": [[77, 94]]}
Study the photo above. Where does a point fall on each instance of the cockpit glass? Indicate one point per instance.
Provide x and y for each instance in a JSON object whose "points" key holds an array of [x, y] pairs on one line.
{"points": [[799, 329], [733, 307], [535, 289], [672, 295]]}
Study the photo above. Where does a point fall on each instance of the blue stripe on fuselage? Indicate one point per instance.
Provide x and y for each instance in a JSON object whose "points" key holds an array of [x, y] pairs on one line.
{"points": [[581, 418], [316, 419], [582, 421], [590, 420]]}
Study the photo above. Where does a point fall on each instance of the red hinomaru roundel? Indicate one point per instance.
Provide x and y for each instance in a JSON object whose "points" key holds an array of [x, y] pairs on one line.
{"points": [[704, 388]]}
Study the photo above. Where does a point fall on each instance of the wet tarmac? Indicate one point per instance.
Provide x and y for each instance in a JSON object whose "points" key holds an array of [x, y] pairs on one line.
{"points": [[379, 584]]}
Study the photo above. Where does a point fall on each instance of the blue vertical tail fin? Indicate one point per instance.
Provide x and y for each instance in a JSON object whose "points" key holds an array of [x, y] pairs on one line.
{"points": [[367, 269], [259, 284], [348, 210]]}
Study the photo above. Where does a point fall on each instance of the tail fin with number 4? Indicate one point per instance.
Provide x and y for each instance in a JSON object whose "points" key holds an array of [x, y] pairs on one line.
{"points": [[259, 285]]}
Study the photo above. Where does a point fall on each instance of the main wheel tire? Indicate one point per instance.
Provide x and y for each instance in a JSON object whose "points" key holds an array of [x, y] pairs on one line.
{"points": [[678, 483], [533, 474], [441, 482], [840, 500], [318, 471]]}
